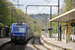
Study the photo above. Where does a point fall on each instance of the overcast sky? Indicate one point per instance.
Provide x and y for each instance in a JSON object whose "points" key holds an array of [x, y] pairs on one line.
{"points": [[36, 10]]}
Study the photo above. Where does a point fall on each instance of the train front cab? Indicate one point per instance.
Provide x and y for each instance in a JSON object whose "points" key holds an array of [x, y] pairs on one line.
{"points": [[18, 37]]}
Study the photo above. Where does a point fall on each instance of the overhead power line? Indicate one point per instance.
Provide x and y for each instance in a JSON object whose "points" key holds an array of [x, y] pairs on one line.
{"points": [[44, 7]]}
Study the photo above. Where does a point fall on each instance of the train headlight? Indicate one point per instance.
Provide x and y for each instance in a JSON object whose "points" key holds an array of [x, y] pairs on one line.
{"points": [[22, 35], [14, 34]]}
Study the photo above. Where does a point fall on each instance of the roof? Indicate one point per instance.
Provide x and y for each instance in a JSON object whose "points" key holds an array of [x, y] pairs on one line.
{"points": [[66, 17]]}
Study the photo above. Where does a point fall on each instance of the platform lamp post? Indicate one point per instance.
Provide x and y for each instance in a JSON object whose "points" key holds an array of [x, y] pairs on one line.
{"points": [[58, 22]]}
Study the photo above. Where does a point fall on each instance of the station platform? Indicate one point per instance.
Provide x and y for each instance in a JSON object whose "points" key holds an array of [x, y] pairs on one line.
{"points": [[52, 41], [4, 40]]}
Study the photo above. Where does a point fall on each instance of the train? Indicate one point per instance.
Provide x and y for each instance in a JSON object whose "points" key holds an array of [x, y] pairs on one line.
{"points": [[20, 33]]}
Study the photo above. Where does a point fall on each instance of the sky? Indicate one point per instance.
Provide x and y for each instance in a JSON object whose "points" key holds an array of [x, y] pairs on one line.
{"points": [[37, 10]]}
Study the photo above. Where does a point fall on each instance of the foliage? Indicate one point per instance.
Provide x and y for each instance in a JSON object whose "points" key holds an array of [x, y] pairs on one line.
{"points": [[1, 25], [4, 11], [38, 33], [37, 29], [70, 4]]}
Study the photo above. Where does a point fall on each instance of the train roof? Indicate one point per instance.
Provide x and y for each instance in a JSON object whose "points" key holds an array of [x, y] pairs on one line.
{"points": [[19, 24]]}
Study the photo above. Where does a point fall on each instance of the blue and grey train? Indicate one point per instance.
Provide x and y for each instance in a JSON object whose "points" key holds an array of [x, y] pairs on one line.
{"points": [[20, 33]]}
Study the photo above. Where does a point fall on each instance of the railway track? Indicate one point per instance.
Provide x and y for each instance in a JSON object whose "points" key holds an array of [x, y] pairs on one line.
{"points": [[12, 46], [17, 47], [5, 45], [38, 44], [33, 44]]}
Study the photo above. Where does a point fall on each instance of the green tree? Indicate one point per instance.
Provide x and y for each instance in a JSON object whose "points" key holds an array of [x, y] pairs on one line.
{"points": [[4, 11], [70, 4]]}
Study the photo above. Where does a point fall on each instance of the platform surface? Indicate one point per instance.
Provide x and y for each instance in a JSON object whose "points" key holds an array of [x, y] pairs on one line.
{"points": [[69, 45], [4, 40]]}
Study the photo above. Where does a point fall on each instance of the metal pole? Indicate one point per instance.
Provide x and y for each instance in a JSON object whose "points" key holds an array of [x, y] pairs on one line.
{"points": [[58, 22], [70, 32], [26, 10], [18, 3], [26, 15], [44, 6], [46, 27], [55, 33], [29, 19], [24, 20], [35, 28], [63, 33], [50, 22], [73, 34], [67, 35], [19, 7], [60, 33]]}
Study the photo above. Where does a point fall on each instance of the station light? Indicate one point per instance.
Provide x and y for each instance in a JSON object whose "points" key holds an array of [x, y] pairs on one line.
{"points": [[73, 24]]}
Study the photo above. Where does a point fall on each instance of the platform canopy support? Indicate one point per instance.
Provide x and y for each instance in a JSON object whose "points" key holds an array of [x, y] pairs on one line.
{"points": [[68, 18]]}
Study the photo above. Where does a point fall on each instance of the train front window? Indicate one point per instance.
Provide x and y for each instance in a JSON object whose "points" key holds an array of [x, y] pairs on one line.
{"points": [[22, 29], [18, 29], [15, 29]]}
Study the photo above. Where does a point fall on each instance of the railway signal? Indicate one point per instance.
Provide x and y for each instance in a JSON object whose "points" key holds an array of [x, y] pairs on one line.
{"points": [[50, 28], [42, 29], [73, 24]]}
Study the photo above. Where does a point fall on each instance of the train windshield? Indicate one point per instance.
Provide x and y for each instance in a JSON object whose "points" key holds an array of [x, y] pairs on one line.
{"points": [[18, 29], [21, 29], [15, 29]]}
